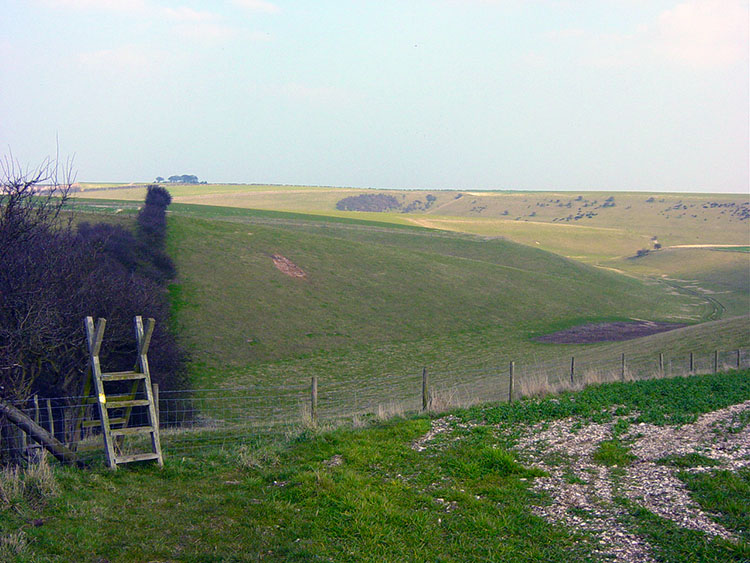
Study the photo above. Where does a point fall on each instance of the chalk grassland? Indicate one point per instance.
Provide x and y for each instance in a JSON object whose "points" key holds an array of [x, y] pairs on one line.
{"points": [[369, 494], [377, 301]]}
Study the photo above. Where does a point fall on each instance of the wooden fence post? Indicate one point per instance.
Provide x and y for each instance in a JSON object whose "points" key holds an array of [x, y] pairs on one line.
{"points": [[738, 359], [510, 383], [314, 400], [425, 390], [661, 363], [622, 369], [572, 369], [716, 361], [50, 419], [692, 363]]}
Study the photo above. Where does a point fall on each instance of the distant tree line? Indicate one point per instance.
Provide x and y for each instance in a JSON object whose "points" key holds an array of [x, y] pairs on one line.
{"points": [[53, 274], [183, 179]]}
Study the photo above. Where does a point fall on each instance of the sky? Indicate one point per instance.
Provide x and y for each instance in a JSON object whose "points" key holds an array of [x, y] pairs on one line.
{"points": [[424, 94]]}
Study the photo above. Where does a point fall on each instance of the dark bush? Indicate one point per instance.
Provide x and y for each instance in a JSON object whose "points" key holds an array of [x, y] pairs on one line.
{"points": [[51, 277], [368, 202], [114, 240]]}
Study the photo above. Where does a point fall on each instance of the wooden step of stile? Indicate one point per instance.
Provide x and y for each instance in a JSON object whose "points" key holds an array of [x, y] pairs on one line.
{"points": [[132, 431], [127, 403], [123, 376], [136, 457], [110, 398], [98, 423]]}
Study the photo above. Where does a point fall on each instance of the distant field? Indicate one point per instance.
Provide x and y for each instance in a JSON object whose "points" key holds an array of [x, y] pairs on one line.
{"points": [[619, 223]]}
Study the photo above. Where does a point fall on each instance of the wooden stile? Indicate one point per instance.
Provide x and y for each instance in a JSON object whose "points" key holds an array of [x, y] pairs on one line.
{"points": [[114, 430]]}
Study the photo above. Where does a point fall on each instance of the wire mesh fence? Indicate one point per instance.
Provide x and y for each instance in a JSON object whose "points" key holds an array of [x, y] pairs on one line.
{"points": [[197, 421]]}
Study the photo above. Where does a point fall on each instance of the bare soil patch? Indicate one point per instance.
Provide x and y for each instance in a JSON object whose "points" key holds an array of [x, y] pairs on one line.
{"points": [[287, 267], [608, 332]]}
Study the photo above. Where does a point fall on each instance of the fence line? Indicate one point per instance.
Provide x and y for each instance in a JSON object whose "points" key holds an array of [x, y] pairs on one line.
{"points": [[194, 420]]}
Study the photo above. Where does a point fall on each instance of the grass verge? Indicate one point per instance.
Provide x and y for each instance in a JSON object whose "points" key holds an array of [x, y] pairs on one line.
{"points": [[360, 494]]}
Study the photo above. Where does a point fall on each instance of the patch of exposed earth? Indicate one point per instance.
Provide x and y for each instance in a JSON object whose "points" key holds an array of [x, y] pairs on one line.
{"points": [[582, 492], [287, 267], [608, 332]]}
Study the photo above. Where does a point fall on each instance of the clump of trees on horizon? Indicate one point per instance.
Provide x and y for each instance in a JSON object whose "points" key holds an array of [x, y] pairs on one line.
{"points": [[182, 179], [53, 275]]}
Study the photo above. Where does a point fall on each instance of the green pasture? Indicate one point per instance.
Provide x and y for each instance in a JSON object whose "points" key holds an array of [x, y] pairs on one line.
{"points": [[381, 299], [366, 494]]}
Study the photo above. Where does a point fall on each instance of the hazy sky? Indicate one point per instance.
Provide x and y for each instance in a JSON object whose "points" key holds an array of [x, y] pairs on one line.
{"points": [[504, 94]]}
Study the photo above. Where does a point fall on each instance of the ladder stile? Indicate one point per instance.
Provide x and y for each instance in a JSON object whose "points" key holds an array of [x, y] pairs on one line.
{"points": [[125, 401]]}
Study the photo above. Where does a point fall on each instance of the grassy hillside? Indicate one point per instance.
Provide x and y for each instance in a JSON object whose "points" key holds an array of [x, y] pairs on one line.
{"points": [[453, 488], [723, 276], [382, 298]]}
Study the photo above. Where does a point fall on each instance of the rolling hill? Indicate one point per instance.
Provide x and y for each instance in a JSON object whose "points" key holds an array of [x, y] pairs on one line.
{"points": [[377, 300]]}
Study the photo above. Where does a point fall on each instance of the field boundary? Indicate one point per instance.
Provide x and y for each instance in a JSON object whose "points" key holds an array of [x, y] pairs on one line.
{"points": [[194, 420]]}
